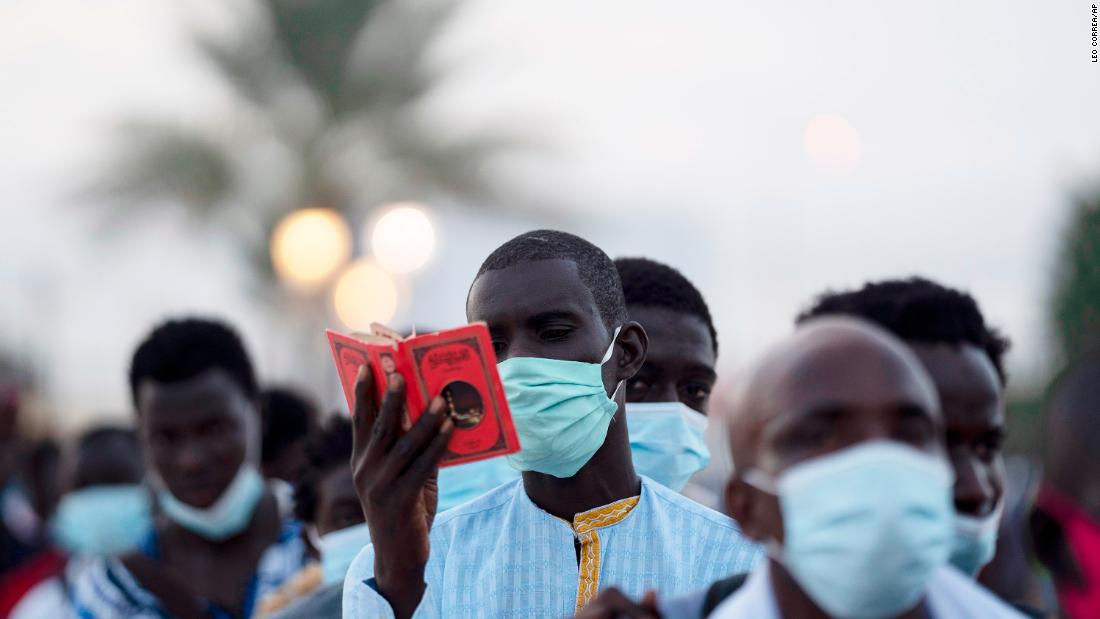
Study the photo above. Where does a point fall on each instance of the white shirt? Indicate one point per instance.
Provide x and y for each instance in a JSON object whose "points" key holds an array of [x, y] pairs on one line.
{"points": [[950, 595]]}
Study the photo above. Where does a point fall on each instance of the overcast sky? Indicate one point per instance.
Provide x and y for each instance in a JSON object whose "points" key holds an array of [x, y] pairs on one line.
{"points": [[954, 134]]}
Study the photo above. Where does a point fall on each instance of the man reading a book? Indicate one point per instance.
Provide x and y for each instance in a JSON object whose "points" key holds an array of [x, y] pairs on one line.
{"points": [[580, 519]]}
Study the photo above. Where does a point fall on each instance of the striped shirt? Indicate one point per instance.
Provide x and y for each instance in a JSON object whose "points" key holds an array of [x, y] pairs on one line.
{"points": [[502, 556], [106, 589]]}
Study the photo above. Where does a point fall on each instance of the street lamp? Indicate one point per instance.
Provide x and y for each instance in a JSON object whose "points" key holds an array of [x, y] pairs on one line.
{"points": [[308, 246], [403, 238], [363, 294]]}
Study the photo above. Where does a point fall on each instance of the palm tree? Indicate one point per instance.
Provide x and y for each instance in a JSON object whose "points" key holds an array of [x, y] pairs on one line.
{"points": [[326, 113]]}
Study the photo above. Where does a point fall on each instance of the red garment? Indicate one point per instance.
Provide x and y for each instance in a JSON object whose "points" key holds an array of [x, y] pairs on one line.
{"points": [[1083, 535], [16, 582]]}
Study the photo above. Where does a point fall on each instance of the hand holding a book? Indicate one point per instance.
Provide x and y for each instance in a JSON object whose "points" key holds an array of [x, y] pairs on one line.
{"points": [[395, 476]]}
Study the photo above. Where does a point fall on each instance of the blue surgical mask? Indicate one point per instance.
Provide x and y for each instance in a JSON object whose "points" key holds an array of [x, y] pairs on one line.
{"points": [[465, 482], [228, 516], [666, 441], [975, 540], [561, 411], [864, 528], [102, 520], [338, 549]]}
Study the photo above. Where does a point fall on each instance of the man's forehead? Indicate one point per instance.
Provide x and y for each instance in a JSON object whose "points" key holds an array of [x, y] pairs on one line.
{"points": [[855, 374], [213, 386], [674, 333], [963, 373], [528, 289], [839, 363]]}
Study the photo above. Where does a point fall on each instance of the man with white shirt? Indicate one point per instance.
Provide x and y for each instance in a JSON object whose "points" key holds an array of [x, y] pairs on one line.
{"points": [[837, 443], [580, 519], [840, 469]]}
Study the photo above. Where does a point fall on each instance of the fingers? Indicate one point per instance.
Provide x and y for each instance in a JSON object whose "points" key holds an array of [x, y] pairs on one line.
{"points": [[365, 408], [426, 466], [649, 603], [612, 603], [387, 426], [413, 444]]}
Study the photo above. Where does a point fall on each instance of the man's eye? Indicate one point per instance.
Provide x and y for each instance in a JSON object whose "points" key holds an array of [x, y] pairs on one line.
{"points": [[809, 436], [989, 446], [554, 334], [214, 428], [915, 431], [697, 390]]}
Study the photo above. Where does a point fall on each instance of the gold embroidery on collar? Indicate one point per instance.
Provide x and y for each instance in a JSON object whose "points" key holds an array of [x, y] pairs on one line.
{"points": [[584, 528]]}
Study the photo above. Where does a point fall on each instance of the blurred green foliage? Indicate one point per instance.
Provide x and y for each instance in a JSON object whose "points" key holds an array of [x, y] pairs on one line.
{"points": [[1073, 315], [1075, 307], [326, 110]]}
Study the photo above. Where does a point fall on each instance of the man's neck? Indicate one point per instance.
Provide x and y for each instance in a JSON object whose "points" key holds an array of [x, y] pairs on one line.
{"points": [[608, 477], [792, 601]]}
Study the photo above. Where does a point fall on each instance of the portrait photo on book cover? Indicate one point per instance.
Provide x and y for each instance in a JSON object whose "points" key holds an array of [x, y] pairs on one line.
{"points": [[464, 404], [389, 366]]}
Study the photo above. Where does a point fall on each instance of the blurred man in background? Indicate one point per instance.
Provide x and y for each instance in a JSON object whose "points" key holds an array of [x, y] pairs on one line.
{"points": [[326, 504], [947, 332], [219, 544], [1065, 523], [104, 510], [837, 444], [288, 418], [840, 467], [42, 476], [666, 401], [24, 562]]}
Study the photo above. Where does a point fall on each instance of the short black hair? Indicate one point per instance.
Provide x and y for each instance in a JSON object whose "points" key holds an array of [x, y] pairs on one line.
{"points": [[596, 270], [326, 450], [100, 434], [917, 310], [115, 453], [178, 350], [286, 416], [648, 283]]}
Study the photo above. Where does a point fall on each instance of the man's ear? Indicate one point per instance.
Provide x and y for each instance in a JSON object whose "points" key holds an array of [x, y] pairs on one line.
{"points": [[632, 344], [739, 504]]}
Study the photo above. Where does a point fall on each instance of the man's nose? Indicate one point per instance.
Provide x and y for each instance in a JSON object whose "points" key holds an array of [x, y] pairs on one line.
{"points": [[974, 494], [191, 456]]}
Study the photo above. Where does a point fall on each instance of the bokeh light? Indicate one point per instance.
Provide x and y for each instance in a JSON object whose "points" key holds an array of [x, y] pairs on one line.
{"points": [[364, 294], [403, 238], [309, 245], [830, 141]]}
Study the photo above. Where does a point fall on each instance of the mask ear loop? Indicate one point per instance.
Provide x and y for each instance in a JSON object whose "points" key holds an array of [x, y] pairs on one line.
{"points": [[607, 357], [611, 346]]}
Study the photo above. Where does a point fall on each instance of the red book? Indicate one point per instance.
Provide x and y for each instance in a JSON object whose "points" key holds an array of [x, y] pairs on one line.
{"points": [[458, 364]]}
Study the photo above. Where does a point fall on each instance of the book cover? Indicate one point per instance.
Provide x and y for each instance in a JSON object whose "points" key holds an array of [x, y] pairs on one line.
{"points": [[458, 364]]}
